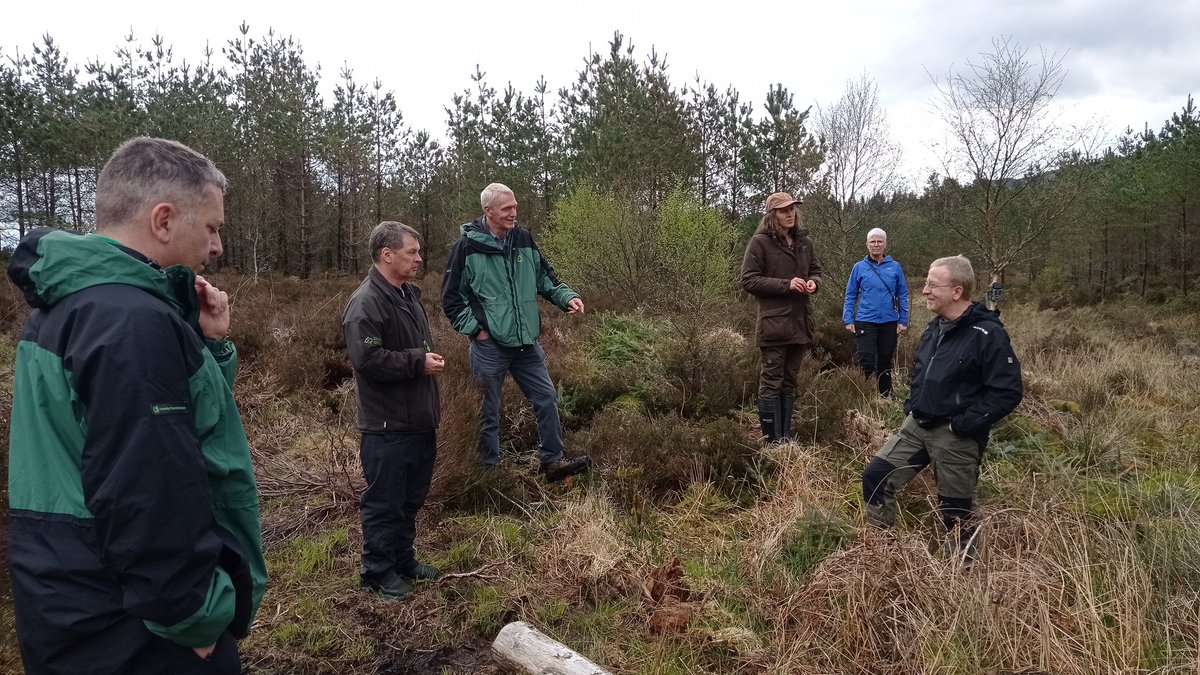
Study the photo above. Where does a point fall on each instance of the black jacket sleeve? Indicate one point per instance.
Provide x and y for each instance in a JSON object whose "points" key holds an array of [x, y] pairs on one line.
{"points": [[459, 303]]}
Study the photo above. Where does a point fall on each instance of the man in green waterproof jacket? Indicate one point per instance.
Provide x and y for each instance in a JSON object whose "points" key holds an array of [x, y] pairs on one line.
{"points": [[489, 293], [135, 541]]}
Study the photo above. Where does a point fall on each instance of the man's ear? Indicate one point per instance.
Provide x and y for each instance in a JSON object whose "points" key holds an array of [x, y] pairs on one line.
{"points": [[163, 219]]}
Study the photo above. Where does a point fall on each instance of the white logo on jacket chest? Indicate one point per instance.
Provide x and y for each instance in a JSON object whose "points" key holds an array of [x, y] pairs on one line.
{"points": [[980, 330]]}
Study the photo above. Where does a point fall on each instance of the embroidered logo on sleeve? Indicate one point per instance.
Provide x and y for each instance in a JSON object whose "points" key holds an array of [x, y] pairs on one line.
{"points": [[372, 340]]}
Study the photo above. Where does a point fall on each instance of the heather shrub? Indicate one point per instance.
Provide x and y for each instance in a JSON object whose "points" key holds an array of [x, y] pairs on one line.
{"points": [[618, 358], [711, 371], [824, 401], [644, 457]]}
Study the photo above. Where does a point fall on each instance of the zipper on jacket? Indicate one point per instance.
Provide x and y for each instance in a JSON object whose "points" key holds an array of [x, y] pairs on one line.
{"points": [[511, 268]]}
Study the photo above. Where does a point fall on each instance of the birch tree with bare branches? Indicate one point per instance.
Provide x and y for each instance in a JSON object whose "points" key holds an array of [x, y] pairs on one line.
{"points": [[1006, 145], [861, 161]]}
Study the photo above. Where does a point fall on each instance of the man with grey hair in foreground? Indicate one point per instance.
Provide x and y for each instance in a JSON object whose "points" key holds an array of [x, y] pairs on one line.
{"points": [[395, 377], [965, 379], [135, 541], [489, 293]]}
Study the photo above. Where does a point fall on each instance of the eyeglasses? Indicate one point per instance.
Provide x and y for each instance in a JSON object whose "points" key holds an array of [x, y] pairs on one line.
{"points": [[929, 285]]}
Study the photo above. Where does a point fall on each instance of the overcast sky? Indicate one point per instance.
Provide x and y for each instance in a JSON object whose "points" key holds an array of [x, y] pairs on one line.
{"points": [[1129, 62]]}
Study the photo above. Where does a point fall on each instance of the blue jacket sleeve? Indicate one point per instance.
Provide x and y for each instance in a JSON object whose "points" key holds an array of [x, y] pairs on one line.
{"points": [[852, 285], [902, 293]]}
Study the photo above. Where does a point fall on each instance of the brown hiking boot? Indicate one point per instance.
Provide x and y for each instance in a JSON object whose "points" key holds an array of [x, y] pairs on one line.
{"points": [[567, 466]]}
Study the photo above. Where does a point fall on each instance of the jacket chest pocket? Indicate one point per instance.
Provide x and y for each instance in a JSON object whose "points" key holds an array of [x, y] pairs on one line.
{"points": [[966, 367], [781, 263]]}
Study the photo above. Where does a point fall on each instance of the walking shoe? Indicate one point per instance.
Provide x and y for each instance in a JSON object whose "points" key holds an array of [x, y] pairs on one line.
{"points": [[391, 587], [567, 466], [419, 572]]}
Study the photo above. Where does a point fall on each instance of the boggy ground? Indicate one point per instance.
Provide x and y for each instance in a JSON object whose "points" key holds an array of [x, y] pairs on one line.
{"points": [[690, 549]]}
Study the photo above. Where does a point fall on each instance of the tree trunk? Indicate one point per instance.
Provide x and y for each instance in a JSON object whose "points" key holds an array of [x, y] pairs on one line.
{"points": [[1183, 246], [341, 221], [77, 200], [1104, 264], [521, 646], [304, 226], [20, 194], [1145, 257], [997, 277]]}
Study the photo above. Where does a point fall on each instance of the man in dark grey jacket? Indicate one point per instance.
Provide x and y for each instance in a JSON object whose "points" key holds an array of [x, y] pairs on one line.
{"points": [[965, 378], [395, 369]]}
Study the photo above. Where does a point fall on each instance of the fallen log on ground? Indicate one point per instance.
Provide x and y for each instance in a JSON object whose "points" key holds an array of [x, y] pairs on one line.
{"points": [[522, 646]]}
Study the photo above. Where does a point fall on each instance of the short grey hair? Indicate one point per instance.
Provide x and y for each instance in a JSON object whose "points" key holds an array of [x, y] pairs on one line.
{"points": [[490, 193], [390, 234], [960, 271], [877, 232], [146, 171]]}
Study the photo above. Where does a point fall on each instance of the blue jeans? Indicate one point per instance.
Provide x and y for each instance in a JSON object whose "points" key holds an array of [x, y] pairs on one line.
{"points": [[490, 362]]}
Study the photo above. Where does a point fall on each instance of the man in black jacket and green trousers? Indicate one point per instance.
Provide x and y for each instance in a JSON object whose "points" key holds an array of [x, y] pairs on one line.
{"points": [[395, 373], [965, 379]]}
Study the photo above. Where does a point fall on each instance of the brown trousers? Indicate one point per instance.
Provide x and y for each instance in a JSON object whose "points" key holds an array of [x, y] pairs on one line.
{"points": [[778, 369]]}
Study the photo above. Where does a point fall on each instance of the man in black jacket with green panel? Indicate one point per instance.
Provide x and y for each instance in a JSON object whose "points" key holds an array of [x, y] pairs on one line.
{"points": [[135, 543], [489, 293], [395, 375]]}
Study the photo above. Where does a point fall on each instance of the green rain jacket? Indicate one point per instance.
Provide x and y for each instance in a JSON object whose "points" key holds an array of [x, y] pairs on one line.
{"points": [[133, 502], [494, 287]]}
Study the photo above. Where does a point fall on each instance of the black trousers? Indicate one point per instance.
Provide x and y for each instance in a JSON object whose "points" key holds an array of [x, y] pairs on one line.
{"points": [[398, 466], [876, 343]]}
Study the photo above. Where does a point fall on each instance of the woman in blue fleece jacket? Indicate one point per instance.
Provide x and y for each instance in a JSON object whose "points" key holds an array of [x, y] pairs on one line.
{"points": [[876, 309]]}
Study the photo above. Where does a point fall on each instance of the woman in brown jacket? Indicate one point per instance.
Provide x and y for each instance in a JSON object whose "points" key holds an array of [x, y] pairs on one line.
{"points": [[780, 269]]}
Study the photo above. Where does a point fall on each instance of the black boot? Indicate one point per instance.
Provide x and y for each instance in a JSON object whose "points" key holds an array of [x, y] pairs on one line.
{"points": [[787, 404], [768, 417]]}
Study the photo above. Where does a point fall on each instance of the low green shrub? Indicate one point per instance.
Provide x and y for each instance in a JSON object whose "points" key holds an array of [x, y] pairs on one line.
{"points": [[647, 458]]}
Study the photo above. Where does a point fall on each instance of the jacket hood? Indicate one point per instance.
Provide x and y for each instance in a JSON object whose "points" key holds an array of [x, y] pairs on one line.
{"points": [[49, 265], [480, 237]]}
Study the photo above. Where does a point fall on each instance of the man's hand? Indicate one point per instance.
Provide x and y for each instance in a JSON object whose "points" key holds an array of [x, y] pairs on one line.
{"points": [[798, 285], [214, 310], [811, 286], [850, 327], [434, 363], [575, 305], [901, 329], [483, 335], [204, 652]]}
